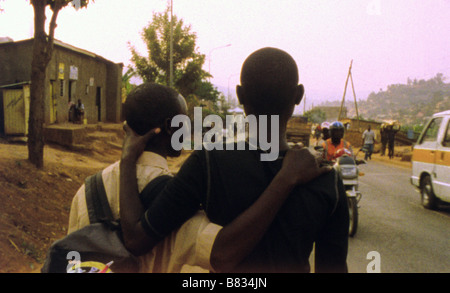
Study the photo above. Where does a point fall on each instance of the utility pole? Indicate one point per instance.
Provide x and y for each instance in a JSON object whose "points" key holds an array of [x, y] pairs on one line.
{"points": [[349, 76], [345, 90], [354, 98]]}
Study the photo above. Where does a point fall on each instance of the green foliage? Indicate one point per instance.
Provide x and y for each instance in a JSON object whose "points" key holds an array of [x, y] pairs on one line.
{"points": [[127, 86], [188, 74], [194, 101], [207, 91], [316, 115]]}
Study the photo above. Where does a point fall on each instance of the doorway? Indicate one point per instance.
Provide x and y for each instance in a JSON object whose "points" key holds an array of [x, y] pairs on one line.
{"points": [[71, 83], [53, 103], [98, 102]]}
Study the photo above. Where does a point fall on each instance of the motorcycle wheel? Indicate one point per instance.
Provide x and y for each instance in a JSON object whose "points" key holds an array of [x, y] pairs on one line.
{"points": [[353, 215]]}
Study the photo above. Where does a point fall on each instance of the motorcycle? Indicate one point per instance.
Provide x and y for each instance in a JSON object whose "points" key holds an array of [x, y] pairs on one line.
{"points": [[347, 166]]}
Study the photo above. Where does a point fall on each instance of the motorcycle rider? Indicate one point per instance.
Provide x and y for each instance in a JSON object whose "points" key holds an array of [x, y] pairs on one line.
{"points": [[325, 130], [334, 148], [325, 133], [336, 142]]}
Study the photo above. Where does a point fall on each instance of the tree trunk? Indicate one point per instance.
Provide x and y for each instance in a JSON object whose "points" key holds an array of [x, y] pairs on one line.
{"points": [[37, 88], [42, 53], [37, 110]]}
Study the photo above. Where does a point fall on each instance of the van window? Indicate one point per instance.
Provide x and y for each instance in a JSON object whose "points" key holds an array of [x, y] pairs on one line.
{"points": [[432, 130], [446, 141]]}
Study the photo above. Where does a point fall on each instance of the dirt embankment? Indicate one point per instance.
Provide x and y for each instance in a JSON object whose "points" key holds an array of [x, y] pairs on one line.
{"points": [[35, 204]]}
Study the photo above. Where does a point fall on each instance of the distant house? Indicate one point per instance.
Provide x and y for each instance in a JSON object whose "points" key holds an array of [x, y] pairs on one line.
{"points": [[236, 110], [72, 74]]}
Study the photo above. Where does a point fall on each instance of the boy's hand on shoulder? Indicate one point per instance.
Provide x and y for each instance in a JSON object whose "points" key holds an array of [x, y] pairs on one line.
{"points": [[134, 144], [301, 166]]}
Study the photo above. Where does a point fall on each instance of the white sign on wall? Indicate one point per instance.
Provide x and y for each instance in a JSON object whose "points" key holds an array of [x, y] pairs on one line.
{"points": [[73, 73]]}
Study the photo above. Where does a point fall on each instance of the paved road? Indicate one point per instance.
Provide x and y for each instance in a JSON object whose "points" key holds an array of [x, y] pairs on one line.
{"points": [[408, 238]]}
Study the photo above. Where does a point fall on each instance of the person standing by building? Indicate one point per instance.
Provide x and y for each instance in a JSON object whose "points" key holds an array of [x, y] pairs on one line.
{"points": [[71, 111], [79, 111], [368, 142]]}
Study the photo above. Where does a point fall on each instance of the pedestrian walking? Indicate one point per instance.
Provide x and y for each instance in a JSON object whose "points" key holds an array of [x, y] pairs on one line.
{"points": [[368, 142]]}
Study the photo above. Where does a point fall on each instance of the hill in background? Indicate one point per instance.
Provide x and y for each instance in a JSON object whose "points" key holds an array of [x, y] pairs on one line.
{"points": [[410, 103]]}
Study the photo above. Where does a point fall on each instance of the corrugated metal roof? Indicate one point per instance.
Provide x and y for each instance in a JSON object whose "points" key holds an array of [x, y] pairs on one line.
{"points": [[66, 46], [15, 85]]}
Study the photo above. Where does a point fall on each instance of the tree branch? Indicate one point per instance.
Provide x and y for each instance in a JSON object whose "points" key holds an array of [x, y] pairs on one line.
{"points": [[58, 5]]}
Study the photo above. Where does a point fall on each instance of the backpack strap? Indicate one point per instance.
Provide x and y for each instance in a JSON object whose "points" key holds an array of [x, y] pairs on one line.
{"points": [[96, 200]]}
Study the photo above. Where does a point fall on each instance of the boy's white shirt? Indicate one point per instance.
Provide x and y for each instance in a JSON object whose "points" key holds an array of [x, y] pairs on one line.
{"points": [[186, 250]]}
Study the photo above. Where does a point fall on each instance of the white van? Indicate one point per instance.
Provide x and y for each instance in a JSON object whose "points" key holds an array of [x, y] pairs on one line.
{"points": [[431, 161]]}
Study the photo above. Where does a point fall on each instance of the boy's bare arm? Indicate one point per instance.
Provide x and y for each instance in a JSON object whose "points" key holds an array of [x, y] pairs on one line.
{"points": [[299, 167], [131, 210]]}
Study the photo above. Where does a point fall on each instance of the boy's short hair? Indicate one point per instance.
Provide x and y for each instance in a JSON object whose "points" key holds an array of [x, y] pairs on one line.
{"points": [[269, 76], [148, 105]]}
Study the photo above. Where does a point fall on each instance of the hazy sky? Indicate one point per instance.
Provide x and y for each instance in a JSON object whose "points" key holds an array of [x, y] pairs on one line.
{"points": [[388, 40]]}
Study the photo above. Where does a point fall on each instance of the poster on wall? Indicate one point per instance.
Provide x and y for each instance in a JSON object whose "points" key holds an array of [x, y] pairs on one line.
{"points": [[61, 71], [73, 73]]}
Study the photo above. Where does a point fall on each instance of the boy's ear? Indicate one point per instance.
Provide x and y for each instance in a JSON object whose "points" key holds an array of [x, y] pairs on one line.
{"points": [[299, 92], [166, 126], [240, 94]]}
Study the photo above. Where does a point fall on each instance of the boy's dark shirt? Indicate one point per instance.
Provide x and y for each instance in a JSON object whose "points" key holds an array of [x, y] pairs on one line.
{"points": [[310, 214]]}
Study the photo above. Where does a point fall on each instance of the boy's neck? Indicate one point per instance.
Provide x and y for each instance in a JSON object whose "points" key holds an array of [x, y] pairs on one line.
{"points": [[283, 141], [157, 150]]}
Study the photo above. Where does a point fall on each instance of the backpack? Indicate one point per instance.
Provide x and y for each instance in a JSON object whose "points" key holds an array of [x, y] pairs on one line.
{"points": [[96, 248]]}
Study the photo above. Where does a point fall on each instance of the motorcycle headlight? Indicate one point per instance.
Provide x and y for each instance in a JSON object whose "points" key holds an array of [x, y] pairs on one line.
{"points": [[349, 172]]}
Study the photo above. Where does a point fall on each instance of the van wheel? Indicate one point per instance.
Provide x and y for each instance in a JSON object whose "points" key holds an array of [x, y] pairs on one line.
{"points": [[428, 198]]}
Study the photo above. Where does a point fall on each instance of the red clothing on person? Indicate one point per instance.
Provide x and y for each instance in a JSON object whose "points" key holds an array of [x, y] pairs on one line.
{"points": [[330, 149]]}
